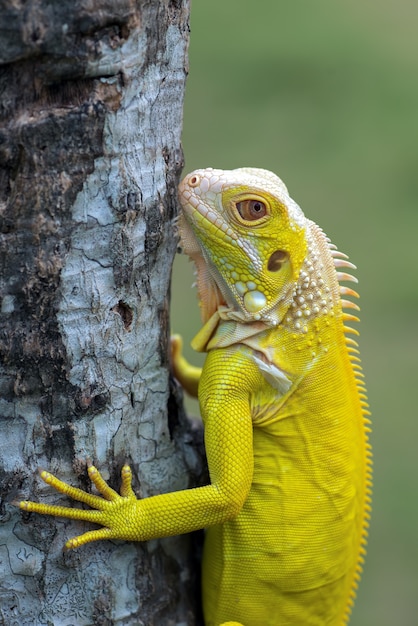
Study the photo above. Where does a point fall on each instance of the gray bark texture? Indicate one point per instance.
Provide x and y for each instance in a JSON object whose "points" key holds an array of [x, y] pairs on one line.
{"points": [[90, 118]]}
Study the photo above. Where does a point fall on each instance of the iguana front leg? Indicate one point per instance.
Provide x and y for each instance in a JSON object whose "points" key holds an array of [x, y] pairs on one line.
{"points": [[119, 514], [227, 421]]}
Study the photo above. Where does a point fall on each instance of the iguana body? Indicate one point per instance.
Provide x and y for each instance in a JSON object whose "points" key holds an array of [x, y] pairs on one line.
{"points": [[284, 409]]}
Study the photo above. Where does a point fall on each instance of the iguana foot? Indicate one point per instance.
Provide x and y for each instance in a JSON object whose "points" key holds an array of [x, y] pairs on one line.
{"points": [[114, 512]]}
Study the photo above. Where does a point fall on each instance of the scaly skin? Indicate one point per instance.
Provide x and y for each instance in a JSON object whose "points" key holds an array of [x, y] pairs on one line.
{"points": [[284, 409]]}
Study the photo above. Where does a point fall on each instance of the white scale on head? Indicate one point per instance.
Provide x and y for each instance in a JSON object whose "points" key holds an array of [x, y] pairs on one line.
{"points": [[254, 301], [312, 297]]}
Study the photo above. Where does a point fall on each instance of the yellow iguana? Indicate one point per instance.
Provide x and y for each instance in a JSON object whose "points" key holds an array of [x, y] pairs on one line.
{"points": [[285, 414]]}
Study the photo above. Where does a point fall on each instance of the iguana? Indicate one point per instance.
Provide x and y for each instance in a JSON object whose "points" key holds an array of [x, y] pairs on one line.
{"points": [[284, 408]]}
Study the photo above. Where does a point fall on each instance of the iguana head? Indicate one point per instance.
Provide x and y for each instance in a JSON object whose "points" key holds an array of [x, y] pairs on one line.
{"points": [[247, 239]]}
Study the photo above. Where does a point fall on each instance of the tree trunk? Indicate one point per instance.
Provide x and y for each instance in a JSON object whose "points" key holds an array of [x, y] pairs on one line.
{"points": [[91, 100]]}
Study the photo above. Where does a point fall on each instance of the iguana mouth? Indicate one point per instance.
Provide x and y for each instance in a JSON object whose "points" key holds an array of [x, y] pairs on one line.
{"points": [[198, 212]]}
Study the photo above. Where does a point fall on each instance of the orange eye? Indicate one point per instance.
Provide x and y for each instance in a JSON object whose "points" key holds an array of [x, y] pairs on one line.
{"points": [[251, 210]]}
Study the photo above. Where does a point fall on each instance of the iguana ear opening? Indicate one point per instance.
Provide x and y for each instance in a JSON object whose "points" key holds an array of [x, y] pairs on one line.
{"points": [[276, 260]]}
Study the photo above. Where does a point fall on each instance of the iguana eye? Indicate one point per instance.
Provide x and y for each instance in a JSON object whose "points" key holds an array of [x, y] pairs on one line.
{"points": [[251, 210]]}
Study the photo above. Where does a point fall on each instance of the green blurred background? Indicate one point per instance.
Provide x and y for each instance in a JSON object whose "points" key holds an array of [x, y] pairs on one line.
{"points": [[325, 93]]}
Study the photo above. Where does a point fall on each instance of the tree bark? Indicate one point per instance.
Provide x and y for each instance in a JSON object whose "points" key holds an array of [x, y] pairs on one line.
{"points": [[90, 114]]}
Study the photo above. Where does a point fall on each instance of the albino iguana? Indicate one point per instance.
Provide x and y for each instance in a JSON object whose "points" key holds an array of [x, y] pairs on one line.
{"points": [[284, 409]]}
